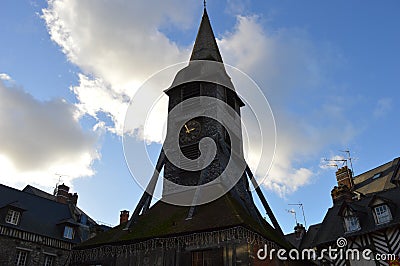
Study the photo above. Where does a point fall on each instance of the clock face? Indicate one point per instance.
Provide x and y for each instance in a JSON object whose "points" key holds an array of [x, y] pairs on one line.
{"points": [[190, 131]]}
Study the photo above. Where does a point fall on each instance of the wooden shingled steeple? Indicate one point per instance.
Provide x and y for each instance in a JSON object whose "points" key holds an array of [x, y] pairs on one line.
{"points": [[228, 221]]}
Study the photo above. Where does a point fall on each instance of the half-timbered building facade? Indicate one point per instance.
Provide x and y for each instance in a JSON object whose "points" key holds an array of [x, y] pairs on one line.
{"points": [[38, 228], [365, 215]]}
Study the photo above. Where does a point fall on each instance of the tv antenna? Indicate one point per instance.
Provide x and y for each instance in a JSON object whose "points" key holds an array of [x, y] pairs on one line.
{"points": [[59, 182], [349, 158], [300, 205], [294, 214], [333, 165], [343, 161]]}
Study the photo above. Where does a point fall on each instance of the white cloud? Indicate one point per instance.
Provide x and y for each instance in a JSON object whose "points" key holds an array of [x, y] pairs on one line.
{"points": [[288, 68], [117, 45], [40, 139], [96, 97], [5, 77]]}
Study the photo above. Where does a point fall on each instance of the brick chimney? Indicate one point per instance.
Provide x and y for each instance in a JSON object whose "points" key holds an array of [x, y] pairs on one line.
{"points": [[64, 197], [344, 176], [124, 216], [299, 231], [73, 198], [62, 193], [341, 193]]}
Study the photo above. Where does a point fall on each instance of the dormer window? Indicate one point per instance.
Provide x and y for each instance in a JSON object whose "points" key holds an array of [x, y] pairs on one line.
{"points": [[350, 218], [377, 175], [68, 232], [13, 217], [382, 214], [352, 223]]}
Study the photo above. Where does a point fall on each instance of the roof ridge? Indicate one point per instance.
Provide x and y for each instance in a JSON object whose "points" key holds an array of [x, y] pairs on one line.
{"points": [[27, 193]]}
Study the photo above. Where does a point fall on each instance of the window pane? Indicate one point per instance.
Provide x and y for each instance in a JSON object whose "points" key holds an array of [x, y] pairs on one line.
{"points": [[12, 217], [352, 223], [68, 232], [48, 260], [20, 260], [383, 214]]}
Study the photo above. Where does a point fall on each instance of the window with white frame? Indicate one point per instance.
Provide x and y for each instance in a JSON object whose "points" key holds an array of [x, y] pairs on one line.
{"points": [[48, 260], [382, 213], [21, 258], [352, 223], [12, 217], [68, 232]]}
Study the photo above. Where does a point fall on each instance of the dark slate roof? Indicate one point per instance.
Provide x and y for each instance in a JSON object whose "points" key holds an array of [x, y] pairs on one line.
{"points": [[312, 232], [205, 46], [165, 220], [332, 226], [384, 176], [304, 242], [41, 214], [291, 238], [76, 210], [35, 191]]}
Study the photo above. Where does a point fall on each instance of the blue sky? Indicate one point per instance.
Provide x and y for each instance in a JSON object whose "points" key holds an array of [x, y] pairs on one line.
{"points": [[330, 71]]}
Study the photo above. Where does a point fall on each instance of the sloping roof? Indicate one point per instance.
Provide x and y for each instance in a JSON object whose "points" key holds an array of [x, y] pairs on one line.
{"points": [[35, 191], [165, 220], [291, 238], [76, 210], [378, 179], [42, 214], [312, 232], [332, 226], [306, 240], [205, 46]]}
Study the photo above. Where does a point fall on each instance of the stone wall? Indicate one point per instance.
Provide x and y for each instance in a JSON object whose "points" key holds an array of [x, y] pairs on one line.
{"points": [[36, 252]]}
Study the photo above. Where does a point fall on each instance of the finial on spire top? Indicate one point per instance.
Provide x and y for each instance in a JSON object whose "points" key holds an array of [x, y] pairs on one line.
{"points": [[205, 4]]}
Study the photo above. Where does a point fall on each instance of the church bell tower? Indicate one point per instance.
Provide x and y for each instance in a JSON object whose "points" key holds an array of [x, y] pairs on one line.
{"points": [[207, 215]]}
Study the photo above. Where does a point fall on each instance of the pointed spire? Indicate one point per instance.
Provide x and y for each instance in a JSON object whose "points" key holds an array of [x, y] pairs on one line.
{"points": [[205, 46]]}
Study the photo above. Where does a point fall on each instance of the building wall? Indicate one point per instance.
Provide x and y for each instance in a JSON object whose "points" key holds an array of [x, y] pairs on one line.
{"points": [[234, 253], [385, 241], [36, 252]]}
